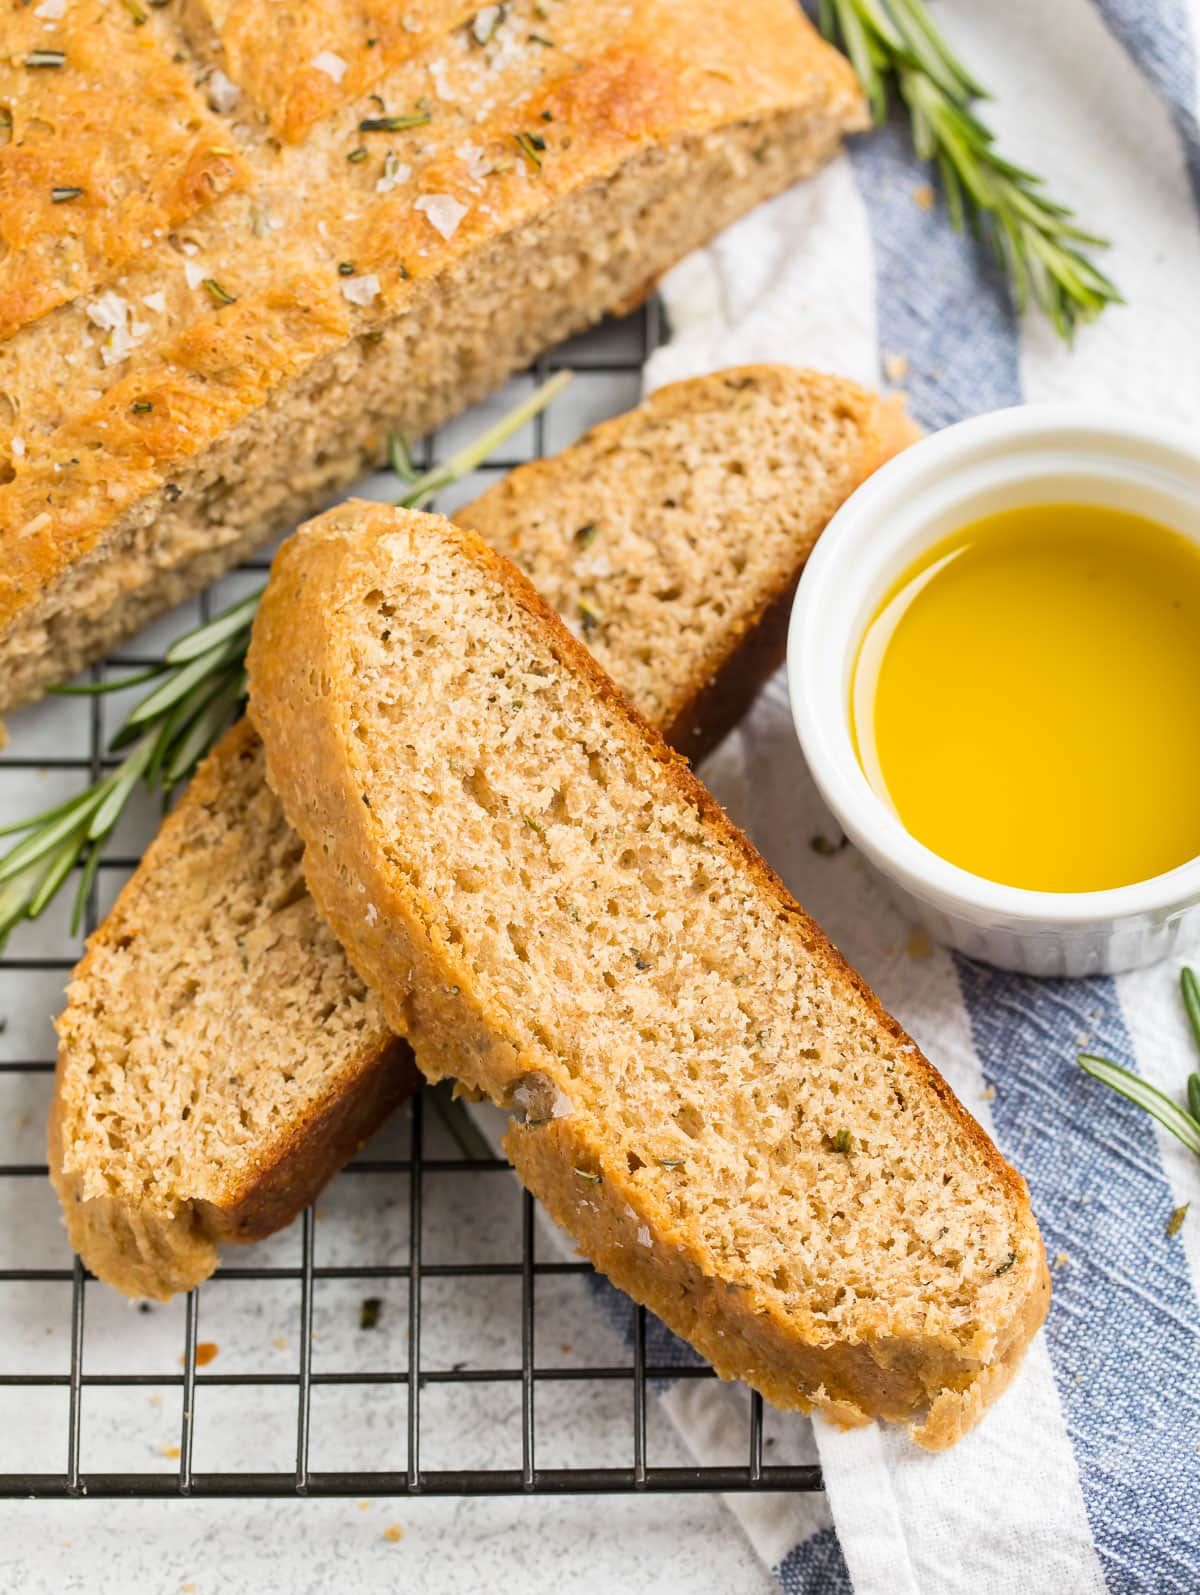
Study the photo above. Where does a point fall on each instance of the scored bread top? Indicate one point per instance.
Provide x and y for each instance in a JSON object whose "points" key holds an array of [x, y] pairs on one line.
{"points": [[552, 909], [299, 62], [101, 152], [214, 1020], [202, 316]]}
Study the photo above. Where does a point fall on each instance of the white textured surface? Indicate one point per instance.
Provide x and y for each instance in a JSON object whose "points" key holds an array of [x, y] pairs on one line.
{"points": [[585, 1545]]}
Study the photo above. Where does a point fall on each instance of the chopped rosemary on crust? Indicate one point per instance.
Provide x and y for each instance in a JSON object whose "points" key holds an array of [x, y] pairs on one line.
{"points": [[394, 124]]}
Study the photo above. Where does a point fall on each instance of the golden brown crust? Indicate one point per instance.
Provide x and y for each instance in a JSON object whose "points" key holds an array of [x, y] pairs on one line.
{"points": [[318, 1146], [268, 50], [750, 645], [744, 1336], [427, 995], [669, 73], [118, 121], [133, 1238], [114, 1235], [147, 1251]]}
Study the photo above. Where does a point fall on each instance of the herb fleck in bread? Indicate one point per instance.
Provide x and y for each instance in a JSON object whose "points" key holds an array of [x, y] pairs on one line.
{"points": [[553, 910], [219, 1058], [212, 334]]}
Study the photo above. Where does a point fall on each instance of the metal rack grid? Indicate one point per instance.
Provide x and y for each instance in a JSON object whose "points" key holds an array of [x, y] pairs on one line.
{"points": [[616, 350]]}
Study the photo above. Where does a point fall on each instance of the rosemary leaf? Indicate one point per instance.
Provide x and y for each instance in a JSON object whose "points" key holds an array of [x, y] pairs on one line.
{"points": [[531, 146], [394, 124], [124, 779], [204, 730], [188, 676], [465, 460], [400, 458], [96, 689], [38, 821], [61, 865], [204, 638], [86, 877], [15, 898], [178, 723], [1190, 988], [895, 47], [47, 839], [1155, 1102]]}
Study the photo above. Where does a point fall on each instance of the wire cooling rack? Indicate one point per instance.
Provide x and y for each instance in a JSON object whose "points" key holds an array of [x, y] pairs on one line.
{"points": [[416, 1332]]}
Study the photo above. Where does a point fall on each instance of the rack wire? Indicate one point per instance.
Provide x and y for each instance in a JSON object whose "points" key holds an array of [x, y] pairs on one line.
{"points": [[44, 1426]]}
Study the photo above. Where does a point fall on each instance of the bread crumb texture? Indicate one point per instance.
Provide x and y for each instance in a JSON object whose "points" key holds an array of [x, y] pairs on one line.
{"points": [[215, 1035], [207, 1039], [714, 1106], [186, 366], [664, 538]]}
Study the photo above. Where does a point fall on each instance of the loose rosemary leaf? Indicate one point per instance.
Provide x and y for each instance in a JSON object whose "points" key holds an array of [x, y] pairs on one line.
{"points": [[1189, 986], [1169, 1114]]}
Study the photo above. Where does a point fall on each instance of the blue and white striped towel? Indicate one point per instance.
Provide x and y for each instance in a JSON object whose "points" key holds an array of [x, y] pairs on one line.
{"points": [[1087, 1475]]}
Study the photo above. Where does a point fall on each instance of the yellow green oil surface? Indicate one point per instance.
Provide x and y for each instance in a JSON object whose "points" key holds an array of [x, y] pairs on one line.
{"points": [[1027, 698]]}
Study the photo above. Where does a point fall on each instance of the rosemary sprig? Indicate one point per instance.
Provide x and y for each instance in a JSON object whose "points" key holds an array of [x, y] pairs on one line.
{"points": [[1184, 1125], [458, 1123], [894, 46], [194, 694]]}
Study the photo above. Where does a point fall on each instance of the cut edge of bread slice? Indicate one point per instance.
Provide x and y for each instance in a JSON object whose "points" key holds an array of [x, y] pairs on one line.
{"points": [[159, 1230], [448, 857], [152, 1235]]}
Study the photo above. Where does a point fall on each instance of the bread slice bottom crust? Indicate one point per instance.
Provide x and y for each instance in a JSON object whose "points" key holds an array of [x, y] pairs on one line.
{"points": [[930, 1351], [849, 1383], [158, 1250], [148, 1234]]}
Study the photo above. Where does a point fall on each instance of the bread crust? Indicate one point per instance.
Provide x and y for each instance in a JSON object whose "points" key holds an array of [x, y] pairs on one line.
{"points": [[668, 83], [936, 1380], [147, 1247], [145, 1250], [751, 646]]}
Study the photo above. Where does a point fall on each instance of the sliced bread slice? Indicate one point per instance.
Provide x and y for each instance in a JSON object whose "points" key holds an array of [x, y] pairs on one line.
{"points": [[219, 1058], [553, 910]]}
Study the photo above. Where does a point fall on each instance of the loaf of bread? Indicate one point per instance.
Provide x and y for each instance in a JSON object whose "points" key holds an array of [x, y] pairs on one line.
{"points": [[220, 1059], [551, 908], [237, 243]]}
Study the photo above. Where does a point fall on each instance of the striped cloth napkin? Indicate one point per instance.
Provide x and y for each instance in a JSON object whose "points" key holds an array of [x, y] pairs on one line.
{"points": [[1086, 1476]]}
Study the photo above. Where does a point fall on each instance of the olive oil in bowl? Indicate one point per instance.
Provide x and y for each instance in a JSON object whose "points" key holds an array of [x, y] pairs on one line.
{"points": [[1025, 699]]}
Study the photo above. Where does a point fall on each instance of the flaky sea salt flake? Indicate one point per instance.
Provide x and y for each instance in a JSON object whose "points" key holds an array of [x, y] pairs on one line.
{"points": [[223, 95], [361, 290], [332, 65], [444, 212]]}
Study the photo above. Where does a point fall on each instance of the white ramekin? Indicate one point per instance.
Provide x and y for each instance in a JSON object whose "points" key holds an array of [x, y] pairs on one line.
{"points": [[1035, 454]]}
